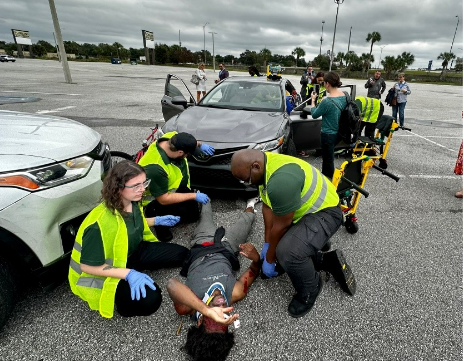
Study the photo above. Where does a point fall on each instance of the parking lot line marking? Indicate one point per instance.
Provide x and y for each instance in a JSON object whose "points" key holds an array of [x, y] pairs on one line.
{"points": [[17, 91], [435, 143], [54, 110], [417, 176]]}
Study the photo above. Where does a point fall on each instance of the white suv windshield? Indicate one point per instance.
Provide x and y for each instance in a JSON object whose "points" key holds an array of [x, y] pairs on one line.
{"points": [[245, 95]]}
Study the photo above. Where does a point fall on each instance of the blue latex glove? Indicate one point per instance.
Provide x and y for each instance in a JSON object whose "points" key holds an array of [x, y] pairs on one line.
{"points": [[137, 282], [264, 251], [207, 149], [166, 220], [201, 198], [269, 269]]}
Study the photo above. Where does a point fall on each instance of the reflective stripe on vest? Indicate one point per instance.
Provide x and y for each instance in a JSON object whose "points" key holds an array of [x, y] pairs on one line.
{"points": [[153, 156], [99, 291], [370, 109], [317, 193]]}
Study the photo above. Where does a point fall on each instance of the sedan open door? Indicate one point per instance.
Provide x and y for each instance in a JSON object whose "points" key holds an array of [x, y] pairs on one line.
{"points": [[177, 97], [306, 131]]}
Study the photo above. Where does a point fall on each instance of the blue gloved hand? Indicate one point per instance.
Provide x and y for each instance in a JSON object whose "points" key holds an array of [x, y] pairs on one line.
{"points": [[264, 251], [166, 220], [201, 198], [207, 149], [137, 282], [269, 268]]}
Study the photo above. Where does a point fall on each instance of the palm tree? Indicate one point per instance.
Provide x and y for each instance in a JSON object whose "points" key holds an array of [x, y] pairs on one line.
{"points": [[389, 64], [350, 58], [446, 57], [299, 52], [340, 58], [373, 38], [406, 59], [264, 55], [366, 60]]}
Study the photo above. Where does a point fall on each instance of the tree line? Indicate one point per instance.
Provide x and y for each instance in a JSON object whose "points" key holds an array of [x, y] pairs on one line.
{"points": [[176, 54]]}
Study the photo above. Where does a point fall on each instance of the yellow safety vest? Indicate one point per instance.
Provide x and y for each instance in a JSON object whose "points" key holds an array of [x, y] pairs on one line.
{"points": [[321, 92], [153, 156], [317, 193], [370, 109], [99, 291]]}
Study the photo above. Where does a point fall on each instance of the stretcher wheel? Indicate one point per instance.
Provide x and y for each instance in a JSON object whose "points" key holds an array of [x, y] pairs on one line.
{"points": [[383, 163], [351, 226]]}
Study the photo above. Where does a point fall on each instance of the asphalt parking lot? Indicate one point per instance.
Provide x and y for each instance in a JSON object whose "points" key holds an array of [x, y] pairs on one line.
{"points": [[406, 257]]}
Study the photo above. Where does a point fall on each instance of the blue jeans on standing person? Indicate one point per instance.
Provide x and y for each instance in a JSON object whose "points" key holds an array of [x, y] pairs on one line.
{"points": [[400, 107], [328, 142]]}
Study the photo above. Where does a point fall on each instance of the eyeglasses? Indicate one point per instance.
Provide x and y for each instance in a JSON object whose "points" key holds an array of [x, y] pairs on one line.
{"points": [[247, 183], [139, 186]]}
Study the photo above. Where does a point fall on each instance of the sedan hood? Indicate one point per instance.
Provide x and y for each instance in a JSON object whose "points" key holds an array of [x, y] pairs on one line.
{"points": [[227, 126], [37, 139]]}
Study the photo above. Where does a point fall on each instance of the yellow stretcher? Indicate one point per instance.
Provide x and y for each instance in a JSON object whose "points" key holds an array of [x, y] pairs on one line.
{"points": [[351, 177]]}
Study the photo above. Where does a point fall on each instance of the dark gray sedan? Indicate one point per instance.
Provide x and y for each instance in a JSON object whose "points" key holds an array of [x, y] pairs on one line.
{"points": [[238, 113]]}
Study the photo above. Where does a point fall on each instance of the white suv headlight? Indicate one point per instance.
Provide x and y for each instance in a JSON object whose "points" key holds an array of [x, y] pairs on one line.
{"points": [[271, 145], [48, 176]]}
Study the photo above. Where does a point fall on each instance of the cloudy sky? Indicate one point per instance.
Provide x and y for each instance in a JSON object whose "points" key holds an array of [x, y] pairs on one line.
{"points": [[423, 27]]}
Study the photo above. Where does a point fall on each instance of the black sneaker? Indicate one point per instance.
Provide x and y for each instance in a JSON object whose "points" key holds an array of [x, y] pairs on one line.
{"points": [[334, 262], [163, 234], [300, 306]]}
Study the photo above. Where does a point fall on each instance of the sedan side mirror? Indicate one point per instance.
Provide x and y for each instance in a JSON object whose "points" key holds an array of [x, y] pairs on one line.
{"points": [[179, 100], [305, 112]]}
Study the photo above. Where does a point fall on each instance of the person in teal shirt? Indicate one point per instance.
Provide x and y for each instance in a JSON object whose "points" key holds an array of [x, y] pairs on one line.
{"points": [[329, 109]]}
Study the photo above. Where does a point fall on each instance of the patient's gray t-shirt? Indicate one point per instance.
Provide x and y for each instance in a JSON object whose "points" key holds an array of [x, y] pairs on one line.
{"points": [[210, 272]]}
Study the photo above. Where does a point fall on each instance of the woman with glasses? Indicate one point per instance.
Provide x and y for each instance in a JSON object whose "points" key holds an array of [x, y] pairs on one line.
{"points": [[114, 245]]}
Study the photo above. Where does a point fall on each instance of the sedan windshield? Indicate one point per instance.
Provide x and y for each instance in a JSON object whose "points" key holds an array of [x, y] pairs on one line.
{"points": [[246, 96]]}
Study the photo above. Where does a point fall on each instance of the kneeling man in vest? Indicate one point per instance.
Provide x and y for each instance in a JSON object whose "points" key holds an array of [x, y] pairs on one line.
{"points": [[169, 192], [301, 212], [211, 287]]}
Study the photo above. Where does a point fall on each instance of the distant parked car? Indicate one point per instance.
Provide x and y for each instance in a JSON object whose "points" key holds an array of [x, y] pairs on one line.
{"points": [[50, 179], [115, 61], [7, 58]]}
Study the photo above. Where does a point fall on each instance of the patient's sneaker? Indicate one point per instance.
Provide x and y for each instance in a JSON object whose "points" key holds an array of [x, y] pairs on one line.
{"points": [[252, 202]]}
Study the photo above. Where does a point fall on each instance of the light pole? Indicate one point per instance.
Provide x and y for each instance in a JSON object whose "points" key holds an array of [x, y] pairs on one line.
{"points": [[64, 58], [453, 40], [349, 40], [338, 2], [204, 42], [380, 61], [322, 33], [214, 60]]}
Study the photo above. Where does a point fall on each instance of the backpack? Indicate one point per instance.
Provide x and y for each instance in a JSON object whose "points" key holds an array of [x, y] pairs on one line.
{"points": [[349, 122], [195, 79]]}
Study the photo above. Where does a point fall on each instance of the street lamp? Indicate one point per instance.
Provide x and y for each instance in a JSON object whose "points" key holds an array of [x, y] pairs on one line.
{"points": [[349, 40], [204, 42], [380, 61], [338, 2], [322, 33], [214, 61], [453, 40]]}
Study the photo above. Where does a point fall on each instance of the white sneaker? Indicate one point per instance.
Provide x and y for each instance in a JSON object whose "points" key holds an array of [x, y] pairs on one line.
{"points": [[252, 202]]}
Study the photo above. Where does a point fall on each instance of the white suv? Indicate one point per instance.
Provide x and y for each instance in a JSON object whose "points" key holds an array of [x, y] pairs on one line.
{"points": [[50, 178], [7, 58]]}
